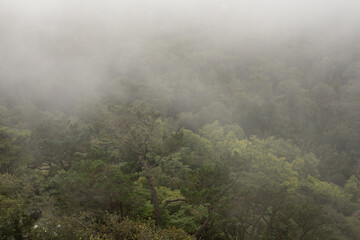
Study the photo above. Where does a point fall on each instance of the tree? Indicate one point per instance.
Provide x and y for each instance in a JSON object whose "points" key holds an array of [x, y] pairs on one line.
{"points": [[97, 186], [11, 141], [208, 186], [19, 207], [56, 143], [140, 129]]}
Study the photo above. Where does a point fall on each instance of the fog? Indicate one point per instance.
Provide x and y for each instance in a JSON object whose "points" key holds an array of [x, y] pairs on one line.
{"points": [[220, 119], [60, 49]]}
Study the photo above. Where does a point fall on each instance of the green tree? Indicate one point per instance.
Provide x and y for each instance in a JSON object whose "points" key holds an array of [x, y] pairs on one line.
{"points": [[19, 207], [97, 186], [56, 144], [12, 142], [142, 132]]}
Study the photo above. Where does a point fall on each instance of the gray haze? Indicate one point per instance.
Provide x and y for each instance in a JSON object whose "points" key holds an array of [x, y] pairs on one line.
{"points": [[66, 48]]}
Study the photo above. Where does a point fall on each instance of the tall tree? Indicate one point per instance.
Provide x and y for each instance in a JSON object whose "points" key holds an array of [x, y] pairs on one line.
{"points": [[140, 129]]}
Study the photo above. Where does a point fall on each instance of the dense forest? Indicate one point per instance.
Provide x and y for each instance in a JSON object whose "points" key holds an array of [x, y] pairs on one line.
{"points": [[173, 130]]}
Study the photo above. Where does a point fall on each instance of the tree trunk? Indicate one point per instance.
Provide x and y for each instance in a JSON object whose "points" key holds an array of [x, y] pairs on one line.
{"points": [[157, 212], [203, 226]]}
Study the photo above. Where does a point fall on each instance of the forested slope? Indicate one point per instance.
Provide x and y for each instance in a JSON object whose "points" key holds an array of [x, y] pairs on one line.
{"points": [[202, 132]]}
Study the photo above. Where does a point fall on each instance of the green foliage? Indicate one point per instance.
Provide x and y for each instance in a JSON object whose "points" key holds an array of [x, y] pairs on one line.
{"points": [[93, 184], [352, 187], [11, 142], [239, 142], [19, 207], [88, 226], [56, 143]]}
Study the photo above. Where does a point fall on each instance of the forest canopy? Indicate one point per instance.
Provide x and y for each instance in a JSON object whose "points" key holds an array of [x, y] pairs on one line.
{"points": [[182, 120]]}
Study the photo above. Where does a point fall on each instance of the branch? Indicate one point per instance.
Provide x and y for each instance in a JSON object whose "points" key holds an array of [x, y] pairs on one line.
{"points": [[128, 145], [203, 226], [157, 162], [167, 202], [221, 194]]}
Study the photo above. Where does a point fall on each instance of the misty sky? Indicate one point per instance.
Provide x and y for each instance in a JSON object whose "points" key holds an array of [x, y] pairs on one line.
{"points": [[68, 44]]}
